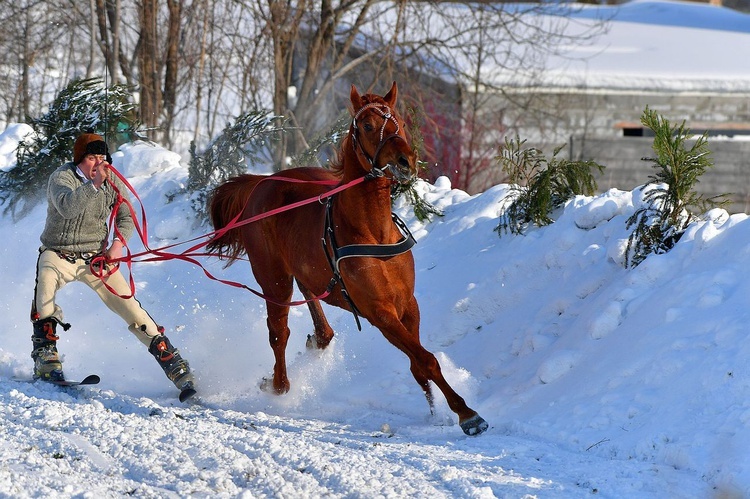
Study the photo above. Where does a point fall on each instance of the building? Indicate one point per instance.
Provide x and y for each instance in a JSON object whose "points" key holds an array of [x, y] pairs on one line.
{"points": [[684, 60]]}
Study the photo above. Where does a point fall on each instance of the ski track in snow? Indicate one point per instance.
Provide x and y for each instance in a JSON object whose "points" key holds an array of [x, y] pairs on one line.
{"points": [[116, 445]]}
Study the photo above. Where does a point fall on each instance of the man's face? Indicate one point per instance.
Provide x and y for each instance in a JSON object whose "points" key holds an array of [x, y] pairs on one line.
{"points": [[90, 163]]}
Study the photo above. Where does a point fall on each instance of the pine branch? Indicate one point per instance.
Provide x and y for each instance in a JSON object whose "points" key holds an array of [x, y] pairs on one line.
{"points": [[672, 197], [540, 185], [83, 105], [246, 142]]}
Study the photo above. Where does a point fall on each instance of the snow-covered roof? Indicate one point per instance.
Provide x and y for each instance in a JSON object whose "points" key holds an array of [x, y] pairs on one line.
{"points": [[647, 45]]}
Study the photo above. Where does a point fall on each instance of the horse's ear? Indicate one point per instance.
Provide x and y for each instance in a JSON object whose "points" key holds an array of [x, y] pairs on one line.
{"points": [[390, 97], [356, 99]]}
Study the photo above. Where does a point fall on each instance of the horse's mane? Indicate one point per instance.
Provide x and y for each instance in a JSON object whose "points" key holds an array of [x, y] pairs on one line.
{"points": [[337, 162]]}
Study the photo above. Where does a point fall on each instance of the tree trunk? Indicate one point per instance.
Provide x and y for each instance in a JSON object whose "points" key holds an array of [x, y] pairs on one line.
{"points": [[199, 76], [26, 61], [281, 26], [172, 66], [119, 61], [92, 39], [149, 69]]}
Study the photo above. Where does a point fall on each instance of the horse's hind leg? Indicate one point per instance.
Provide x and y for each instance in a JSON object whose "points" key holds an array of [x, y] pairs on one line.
{"points": [[278, 337], [323, 332]]}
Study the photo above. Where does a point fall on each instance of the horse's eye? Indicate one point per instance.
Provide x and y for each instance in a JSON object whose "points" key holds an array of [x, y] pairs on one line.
{"points": [[368, 127]]}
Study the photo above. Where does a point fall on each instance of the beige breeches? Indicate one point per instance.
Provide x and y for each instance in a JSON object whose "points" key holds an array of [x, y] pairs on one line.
{"points": [[53, 273]]}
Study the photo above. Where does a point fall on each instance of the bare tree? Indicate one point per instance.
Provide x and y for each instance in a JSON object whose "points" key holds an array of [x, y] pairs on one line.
{"points": [[172, 65], [476, 47], [30, 30], [443, 53], [198, 64], [149, 67]]}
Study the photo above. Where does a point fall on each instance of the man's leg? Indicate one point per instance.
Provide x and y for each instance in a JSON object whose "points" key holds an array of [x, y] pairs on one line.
{"points": [[52, 274], [143, 327]]}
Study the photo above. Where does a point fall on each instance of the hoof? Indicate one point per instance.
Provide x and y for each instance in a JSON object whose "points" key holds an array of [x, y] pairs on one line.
{"points": [[313, 343], [266, 385], [475, 425]]}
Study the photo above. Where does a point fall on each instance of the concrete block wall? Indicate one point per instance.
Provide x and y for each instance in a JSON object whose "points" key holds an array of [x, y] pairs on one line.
{"points": [[626, 170], [592, 121]]}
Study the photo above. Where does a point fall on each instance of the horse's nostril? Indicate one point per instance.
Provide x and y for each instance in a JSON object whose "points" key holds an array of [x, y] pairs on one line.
{"points": [[404, 162]]}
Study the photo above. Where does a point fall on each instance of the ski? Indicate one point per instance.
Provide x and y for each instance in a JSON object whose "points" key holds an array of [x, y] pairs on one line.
{"points": [[186, 393], [91, 379]]}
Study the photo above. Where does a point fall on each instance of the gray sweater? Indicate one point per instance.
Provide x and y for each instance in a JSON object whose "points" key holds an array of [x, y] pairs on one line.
{"points": [[78, 213]]}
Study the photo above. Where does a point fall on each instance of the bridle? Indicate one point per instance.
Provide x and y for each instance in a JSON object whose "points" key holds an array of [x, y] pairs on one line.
{"points": [[387, 115]]}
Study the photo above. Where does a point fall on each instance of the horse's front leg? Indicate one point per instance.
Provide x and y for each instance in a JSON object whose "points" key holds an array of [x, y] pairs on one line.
{"points": [[278, 337], [404, 334], [323, 331]]}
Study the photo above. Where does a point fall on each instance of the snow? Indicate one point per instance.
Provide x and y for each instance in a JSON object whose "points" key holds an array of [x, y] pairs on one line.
{"points": [[595, 379], [659, 13], [9, 140]]}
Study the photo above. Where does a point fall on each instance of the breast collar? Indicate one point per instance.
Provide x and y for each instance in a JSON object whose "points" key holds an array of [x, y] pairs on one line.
{"points": [[336, 253]]}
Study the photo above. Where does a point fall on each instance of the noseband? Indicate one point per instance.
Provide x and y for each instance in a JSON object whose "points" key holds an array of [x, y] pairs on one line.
{"points": [[385, 112]]}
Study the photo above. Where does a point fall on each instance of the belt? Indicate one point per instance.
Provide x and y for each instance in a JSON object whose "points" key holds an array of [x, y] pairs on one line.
{"points": [[74, 256]]}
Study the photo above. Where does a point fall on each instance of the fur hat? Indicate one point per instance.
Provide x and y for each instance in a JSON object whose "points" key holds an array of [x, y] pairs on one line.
{"points": [[89, 143]]}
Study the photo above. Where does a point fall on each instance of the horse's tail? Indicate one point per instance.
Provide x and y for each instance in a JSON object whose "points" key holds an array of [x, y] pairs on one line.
{"points": [[227, 201]]}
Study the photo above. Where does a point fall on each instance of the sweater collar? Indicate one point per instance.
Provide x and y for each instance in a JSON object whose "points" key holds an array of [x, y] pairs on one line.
{"points": [[80, 173]]}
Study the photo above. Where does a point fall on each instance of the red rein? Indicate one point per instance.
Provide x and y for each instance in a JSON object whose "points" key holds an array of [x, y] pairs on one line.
{"points": [[103, 267]]}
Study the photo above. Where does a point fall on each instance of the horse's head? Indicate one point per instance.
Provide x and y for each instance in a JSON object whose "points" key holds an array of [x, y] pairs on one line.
{"points": [[379, 137]]}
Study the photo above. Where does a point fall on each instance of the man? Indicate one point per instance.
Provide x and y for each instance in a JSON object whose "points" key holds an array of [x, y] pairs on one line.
{"points": [[80, 199]]}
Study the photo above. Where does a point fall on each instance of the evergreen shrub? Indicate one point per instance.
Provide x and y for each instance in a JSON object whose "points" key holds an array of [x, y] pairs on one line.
{"points": [[243, 144], [659, 224], [84, 105]]}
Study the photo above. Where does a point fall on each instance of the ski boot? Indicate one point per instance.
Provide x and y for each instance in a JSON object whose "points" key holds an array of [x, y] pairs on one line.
{"points": [[175, 367], [47, 365]]}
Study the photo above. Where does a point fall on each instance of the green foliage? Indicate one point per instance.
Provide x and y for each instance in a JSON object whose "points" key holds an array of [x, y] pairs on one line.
{"points": [[422, 209], [82, 106], [245, 143], [660, 224], [540, 185]]}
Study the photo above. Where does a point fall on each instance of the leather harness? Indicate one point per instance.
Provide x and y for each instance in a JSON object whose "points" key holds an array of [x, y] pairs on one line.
{"points": [[335, 253]]}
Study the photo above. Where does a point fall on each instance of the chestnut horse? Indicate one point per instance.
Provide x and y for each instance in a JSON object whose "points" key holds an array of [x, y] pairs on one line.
{"points": [[286, 246]]}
